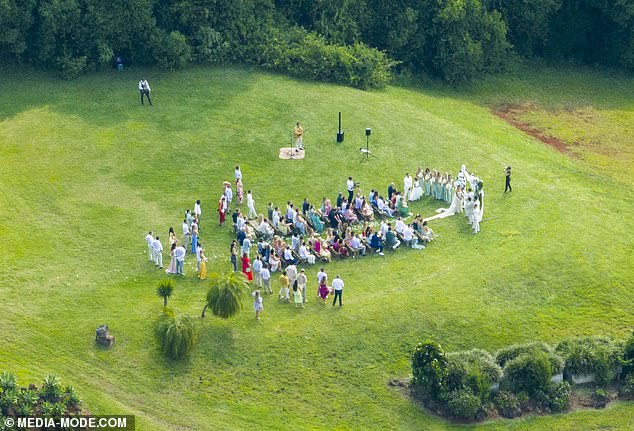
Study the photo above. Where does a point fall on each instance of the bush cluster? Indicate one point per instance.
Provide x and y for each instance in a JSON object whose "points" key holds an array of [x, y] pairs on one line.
{"points": [[464, 384], [50, 399]]}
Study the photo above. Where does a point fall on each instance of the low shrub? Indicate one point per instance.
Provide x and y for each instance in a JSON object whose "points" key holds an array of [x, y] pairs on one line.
{"points": [[176, 334], [554, 398], [464, 405], [527, 372], [509, 353], [71, 67], [627, 390], [590, 355], [628, 357], [507, 404], [475, 370], [429, 368]]}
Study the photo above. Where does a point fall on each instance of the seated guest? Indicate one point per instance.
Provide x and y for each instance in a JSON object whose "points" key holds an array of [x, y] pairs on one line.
{"points": [[295, 242], [344, 205], [401, 205], [367, 212], [327, 208], [330, 236], [290, 212], [299, 222], [391, 240], [274, 261], [358, 202], [417, 224], [383, 207], [321, 249], [399, 226], [428, 234], [350, 216], [315, 220], [410, 238], [376, 242], [356, 245], [265, 229], [383, 229], [305, 255], [334, 219], [340, 248], [288, 256]]}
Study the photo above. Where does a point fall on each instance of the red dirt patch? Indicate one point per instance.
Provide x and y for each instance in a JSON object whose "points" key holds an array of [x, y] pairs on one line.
{"points": [[511, 112]]}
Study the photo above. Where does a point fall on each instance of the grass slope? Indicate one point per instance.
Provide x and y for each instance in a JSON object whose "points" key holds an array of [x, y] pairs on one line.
{"points": [[86, 171]]}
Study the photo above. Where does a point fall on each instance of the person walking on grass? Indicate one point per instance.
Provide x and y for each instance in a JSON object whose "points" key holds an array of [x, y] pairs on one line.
{"points": [[337, 285], [149, 238], [158, 252], [234, 255], [144, 89], [302, 281], [179, 254], [258, 305], [257, 271], [507, 174], [266, 279], [284, 290], [297, 295]]}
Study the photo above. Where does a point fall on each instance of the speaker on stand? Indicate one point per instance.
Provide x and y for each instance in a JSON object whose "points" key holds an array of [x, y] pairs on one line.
{"points": [[340, 132]]}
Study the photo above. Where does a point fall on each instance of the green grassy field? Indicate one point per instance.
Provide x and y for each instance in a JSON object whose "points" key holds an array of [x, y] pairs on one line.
{"points": [[86, 171]]}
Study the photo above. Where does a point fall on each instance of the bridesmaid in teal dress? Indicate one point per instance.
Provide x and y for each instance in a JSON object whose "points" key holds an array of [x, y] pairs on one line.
{"points": [[427, 182]]}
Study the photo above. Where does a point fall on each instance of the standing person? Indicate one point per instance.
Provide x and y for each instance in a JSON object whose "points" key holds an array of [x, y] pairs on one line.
{"points": [[189, 218], [172, 236], [234, 255], [284, 283], [187, 235], [197, 211], [194, 236], [476, 217], [337, 285], [222, 210], [246, 246], [407, 185], [266, 279], [246, 267], [199, 251], [179, 253], [297, 295], [150, 249], [171, 268], [350, 187], [257, 271], [251, 205], [158, 252], [202, 272], [144, 89], [507, 174], [237, 174], [302, 281], [258, 305], [298, 136], [228, 193], [239, 191]]}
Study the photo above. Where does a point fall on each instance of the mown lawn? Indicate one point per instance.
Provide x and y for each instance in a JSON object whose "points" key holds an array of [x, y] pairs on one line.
{"points": [[85, 171]]}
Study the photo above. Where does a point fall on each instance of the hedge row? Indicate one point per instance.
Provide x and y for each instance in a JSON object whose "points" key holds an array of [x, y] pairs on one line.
{"points": [[472, 384]]}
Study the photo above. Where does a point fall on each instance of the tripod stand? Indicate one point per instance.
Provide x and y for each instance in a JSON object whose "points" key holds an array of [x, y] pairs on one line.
{"points": [[365, 152]]}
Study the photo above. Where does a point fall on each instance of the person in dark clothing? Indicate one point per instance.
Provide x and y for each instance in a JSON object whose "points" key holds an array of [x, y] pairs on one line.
{"points": [[507, 173]]}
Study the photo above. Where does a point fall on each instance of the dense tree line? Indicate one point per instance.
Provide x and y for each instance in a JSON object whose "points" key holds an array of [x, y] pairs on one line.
{"points": [[348, 41]]}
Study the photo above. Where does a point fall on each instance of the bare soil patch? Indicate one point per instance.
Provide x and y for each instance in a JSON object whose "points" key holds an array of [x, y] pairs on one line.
{"points": [[511, 114]]}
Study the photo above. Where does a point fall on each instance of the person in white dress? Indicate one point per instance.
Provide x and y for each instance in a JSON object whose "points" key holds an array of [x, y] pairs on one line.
{"points": [[150, 249], [407, 185], [251, 205], [417, 191], [477, 217], [197, 211]]}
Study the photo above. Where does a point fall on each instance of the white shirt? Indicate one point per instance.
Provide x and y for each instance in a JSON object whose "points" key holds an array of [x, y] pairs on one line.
{"points": [[238, 174], [350, 185], [266, 275], [197, 209], [383, 229], [303, 253], [408, 234], [320, 275], [276, 219], [289, 213], [257, 265], [250, 201], [179, 253], [288, 255], [240, 222], [228, 193], [337, 284], [143, 85], [185, 228], [246, 245], [400, 226], [355, 243], [157, 246], [198, 250], [149, 239], [407, 182]]}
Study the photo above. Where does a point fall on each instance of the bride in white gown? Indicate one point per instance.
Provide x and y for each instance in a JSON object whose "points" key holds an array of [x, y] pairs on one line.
{"points": [[455, 208], [417, 191]]}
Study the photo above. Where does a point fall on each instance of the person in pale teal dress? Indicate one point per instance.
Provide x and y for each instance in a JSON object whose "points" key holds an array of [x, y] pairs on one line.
{"points": [[427, 182], [315, 220], [438, 187], [449, 189]]}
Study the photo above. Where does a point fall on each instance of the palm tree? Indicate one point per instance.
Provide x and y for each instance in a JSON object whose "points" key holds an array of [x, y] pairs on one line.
{"points": [[165, 289], [176, 334], [226, 294]]}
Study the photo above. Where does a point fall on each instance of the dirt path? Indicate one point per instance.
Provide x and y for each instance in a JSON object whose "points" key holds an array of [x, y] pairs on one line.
{"points": [[510, 114]]}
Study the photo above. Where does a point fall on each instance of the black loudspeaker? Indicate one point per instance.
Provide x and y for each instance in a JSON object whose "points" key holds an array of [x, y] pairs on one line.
{"points": [[340, 132], [368, 131]]}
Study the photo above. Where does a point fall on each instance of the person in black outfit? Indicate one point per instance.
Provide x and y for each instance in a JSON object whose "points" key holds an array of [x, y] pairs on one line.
{"points": [[507, 172]]}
